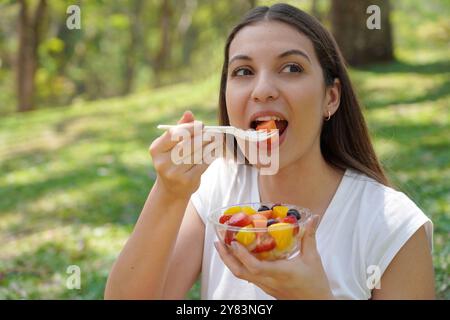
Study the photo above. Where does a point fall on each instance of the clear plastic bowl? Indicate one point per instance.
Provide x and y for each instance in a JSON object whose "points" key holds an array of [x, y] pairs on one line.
{"points": [[281, 240]]}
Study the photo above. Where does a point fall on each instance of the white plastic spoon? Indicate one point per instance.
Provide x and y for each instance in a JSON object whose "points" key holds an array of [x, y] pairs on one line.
{"points": [[249, 135]]}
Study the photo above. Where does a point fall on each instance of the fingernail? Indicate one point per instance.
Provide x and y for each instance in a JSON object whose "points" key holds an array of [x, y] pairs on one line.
{"points": [[234, 245], [182, 118]]}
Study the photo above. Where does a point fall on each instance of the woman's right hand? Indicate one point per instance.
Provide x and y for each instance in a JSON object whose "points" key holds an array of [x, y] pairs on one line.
{"points": [[178, 181]]}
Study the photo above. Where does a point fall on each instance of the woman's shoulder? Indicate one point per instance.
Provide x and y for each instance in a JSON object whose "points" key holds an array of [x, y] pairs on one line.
{"points": [[379, 195], [387, 218], [385, 211], [377, 220]]}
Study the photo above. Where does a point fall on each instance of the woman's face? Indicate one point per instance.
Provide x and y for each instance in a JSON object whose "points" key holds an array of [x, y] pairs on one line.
{"points": [[273, 72]]}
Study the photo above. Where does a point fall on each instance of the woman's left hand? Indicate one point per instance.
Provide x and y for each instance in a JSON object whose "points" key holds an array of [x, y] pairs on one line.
{"points": [[302, 277]]}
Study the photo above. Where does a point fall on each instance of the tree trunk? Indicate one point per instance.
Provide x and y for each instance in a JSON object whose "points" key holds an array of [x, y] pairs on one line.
{"points": [[184, 32], [27, 58], [359, 44], [163, 53], [135, 39]]}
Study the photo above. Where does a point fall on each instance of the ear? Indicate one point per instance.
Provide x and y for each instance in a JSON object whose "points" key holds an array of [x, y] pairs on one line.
{"points": [[332, 98]]}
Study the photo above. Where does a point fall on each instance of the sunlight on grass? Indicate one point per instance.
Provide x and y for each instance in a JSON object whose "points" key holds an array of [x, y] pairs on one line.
{"points": [[69, 173], [39, 261]]}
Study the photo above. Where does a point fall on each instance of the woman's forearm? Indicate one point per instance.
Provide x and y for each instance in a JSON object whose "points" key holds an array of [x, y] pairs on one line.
{"points": [[140, 271]]}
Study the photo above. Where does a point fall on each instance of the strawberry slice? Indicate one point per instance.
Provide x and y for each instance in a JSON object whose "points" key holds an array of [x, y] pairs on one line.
{"points": [[292, 220], [265, 243], [239, 220], [224, 218], [289, 219]]}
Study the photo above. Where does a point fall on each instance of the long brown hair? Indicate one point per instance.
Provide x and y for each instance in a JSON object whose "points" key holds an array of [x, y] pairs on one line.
{"points": [[344, 140]]}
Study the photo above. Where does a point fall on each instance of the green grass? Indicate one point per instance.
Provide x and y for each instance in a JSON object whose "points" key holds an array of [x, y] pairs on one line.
{"points": [[74, 179]]}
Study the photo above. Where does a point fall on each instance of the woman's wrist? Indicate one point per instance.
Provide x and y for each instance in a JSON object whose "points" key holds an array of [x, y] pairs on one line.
{"points": [[163, 199], [167, 195]]}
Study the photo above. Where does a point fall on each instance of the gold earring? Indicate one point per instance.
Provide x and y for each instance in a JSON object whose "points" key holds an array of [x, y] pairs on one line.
{"points": [[329, 116]]}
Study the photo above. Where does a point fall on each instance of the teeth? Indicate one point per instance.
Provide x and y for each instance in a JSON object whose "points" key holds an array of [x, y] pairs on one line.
{"points": [[267, 118]]}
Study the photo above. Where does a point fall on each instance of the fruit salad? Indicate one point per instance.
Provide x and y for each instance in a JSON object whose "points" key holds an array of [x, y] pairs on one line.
{"points": [[267, 126], [268, 231]]}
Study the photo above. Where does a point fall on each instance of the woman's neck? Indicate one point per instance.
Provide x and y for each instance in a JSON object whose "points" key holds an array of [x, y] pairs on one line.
{"points": [[309, 182]]}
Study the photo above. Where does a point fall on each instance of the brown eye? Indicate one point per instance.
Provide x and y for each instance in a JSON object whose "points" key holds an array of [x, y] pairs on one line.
{"points": [[292, 67], [242, 72]]}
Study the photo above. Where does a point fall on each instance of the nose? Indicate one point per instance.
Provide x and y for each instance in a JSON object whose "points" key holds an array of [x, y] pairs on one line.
{"points": [[264, 89]]}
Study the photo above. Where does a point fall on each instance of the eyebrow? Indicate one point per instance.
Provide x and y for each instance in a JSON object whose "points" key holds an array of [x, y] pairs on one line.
{"points": [[282, 55], [295, 52]]}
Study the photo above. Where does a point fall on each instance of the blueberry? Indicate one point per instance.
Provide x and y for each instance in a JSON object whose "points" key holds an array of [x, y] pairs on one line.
{"points": [[271, 221], [294, 212], [263, 208]]}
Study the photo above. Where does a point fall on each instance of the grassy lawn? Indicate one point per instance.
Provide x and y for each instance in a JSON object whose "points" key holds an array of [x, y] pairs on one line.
{"points": [[73, 183], [74, 179]]}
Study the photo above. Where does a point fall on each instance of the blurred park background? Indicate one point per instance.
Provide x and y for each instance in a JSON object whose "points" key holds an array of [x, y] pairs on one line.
{"points": [[79, 108]]}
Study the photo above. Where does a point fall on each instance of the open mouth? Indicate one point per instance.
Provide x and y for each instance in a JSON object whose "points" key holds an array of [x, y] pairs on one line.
{"points": [[281, 124]]}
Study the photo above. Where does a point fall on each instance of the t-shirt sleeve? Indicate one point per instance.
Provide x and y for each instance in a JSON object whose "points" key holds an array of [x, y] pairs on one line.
{"points": [[391, 229], [201, 199]]}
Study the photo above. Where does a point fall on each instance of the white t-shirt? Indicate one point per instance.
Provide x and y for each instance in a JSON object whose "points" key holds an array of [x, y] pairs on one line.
{"points": [[365, 225]]}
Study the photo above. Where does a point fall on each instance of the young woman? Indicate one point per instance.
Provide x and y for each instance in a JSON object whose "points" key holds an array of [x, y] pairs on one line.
{"points": [[281, 62]]}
